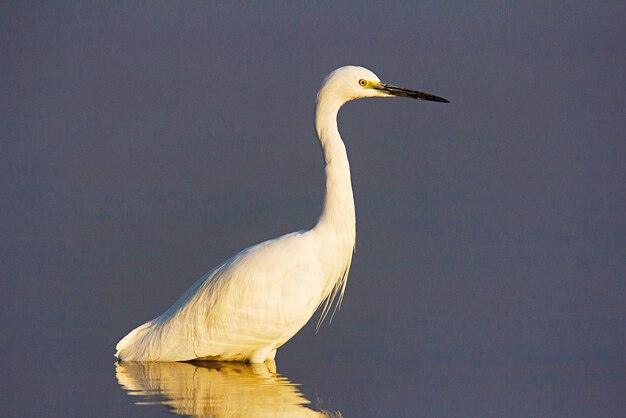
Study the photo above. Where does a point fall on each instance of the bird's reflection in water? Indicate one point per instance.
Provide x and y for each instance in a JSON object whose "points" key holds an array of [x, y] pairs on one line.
{"points": [[216, 389]]}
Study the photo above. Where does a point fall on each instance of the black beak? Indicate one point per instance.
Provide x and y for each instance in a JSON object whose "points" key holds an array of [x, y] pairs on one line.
{"points": [[402, 92]]}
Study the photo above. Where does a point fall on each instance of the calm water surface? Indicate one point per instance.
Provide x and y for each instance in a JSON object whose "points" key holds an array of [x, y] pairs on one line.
{"points": [[235, 390], [215, 389], [386, 387], [142, 143]]}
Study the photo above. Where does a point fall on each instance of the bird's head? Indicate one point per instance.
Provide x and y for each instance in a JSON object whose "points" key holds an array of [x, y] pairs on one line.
{"points": [[351, 82]]}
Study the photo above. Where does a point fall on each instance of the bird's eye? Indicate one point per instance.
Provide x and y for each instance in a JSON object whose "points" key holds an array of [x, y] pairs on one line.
{"points": [[362, 82]]}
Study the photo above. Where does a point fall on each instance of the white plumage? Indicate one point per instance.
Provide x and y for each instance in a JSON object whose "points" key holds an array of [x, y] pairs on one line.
{"points": [[252, 303]]}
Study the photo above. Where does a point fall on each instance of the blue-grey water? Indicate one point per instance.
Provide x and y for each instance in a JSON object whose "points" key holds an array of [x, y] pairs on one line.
{"points": [[141, 143]]}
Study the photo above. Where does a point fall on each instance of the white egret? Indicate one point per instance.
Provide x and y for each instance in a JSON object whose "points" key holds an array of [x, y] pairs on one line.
{"points": [[254, 302]]}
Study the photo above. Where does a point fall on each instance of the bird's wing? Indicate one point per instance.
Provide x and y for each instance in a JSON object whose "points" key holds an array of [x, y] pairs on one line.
{"points": [[251, 299]]}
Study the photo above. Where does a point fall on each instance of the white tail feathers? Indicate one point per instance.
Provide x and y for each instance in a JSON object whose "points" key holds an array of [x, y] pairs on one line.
{"points": [[130, 339]]}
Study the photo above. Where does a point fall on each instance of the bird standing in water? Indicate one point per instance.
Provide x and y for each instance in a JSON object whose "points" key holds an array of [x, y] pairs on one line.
{"points": [[251, 304]]}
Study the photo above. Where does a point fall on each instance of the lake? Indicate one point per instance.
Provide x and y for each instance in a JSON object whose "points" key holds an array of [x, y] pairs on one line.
{"points": [[303, 383], [142, 143]]}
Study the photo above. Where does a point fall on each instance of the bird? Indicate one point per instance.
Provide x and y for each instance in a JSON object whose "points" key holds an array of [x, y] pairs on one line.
{"points": [[254, 302]]}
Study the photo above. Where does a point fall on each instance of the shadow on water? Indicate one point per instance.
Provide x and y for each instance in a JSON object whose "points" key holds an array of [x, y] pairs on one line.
{"points": [[216, 389]]}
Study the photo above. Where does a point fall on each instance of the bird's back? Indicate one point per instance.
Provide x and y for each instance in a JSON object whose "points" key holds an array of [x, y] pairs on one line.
{"points": [[255, 300]]}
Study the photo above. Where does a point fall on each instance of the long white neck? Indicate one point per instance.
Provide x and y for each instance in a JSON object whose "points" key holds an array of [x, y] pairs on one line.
{"points": [[336, 227], [338, 215]]}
